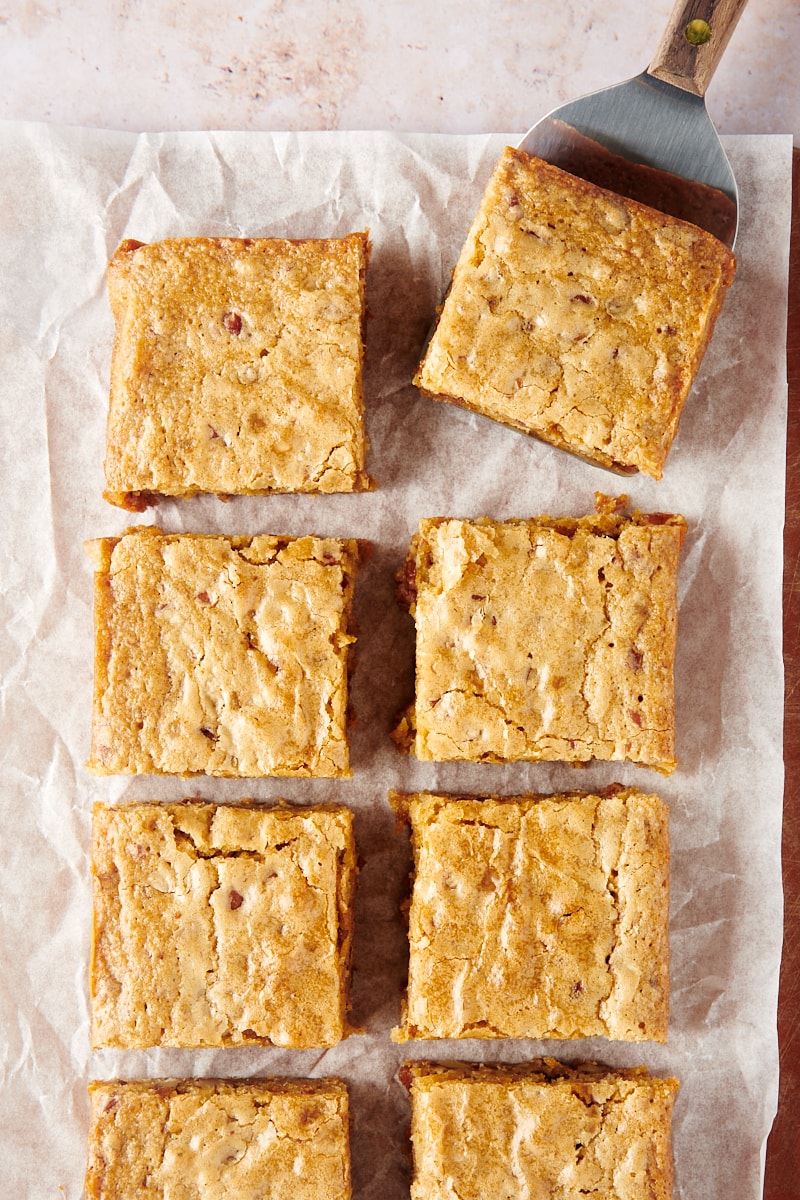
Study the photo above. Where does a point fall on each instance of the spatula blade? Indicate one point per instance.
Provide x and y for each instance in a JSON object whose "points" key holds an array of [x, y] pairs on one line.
{"points": [[650, 141]]}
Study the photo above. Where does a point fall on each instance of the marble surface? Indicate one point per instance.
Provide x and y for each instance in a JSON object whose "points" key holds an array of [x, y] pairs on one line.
{"points": [[407, 65]]}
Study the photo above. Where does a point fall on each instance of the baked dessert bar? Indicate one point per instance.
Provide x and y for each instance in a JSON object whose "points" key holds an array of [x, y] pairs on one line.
{"points": [[577, 315], [236, 368], [539, 1129], [221, 655], [538, 916], [221, 925], [544, 639], [256, 1139]]}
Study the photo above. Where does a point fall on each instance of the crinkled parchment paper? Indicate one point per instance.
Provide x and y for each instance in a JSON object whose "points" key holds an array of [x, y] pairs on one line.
{"points": [[67, 197]]}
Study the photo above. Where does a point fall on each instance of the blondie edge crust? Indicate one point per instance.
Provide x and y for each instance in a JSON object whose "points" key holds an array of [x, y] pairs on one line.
{"points": [[537, 916], [224, 656], [171, 1139], [544, 639], [539, 1128], [236, 368], [221, 925], [577, 315]]}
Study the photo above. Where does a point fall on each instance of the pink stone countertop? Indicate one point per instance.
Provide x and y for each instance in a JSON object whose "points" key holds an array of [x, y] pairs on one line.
{"points": [[400, 65]]}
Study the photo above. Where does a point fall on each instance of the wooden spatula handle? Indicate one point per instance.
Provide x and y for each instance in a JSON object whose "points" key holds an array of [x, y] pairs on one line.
{"points": [[694, 41]]}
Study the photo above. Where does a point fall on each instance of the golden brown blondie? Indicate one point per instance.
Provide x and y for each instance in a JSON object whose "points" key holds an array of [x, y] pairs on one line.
{"points": [[221, 655], [538, 916], [544, 639], [221, 925], [237, 367], [539, 1129], [255, 1139], [577, 315]]}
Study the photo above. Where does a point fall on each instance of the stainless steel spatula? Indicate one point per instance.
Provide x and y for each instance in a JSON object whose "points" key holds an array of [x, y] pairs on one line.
{"points": [[651, 138]]}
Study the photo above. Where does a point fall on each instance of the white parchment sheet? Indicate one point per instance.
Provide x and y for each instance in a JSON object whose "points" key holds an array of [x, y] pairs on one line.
{"points": [[67, 198]]}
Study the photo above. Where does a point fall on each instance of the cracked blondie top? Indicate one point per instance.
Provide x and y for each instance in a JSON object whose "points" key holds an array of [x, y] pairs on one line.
{"points": [[538, 916], [236, 368], [544, 639], [577, 315], [539, 1129], [221, 925], [221, 655], [256, 1139]]}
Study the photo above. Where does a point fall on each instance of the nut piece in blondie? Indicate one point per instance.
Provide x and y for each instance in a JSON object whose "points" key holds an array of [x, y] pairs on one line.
{"points": [[545, 639], [221, 925], [577, 315], [538, 916], [220, 655], [539, 1129], [236, 368], [255, 1139]]}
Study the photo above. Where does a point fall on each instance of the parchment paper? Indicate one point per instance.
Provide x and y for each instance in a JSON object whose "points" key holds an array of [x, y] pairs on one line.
{"points": [[67, 197]]}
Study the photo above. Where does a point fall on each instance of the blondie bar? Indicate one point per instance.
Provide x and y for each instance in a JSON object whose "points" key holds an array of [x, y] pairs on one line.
{"points": [[577, 315], [221, 655], [539, 1129], [236, 367], [221, 925], [255, 1139], [538, 916], [544, 639]]}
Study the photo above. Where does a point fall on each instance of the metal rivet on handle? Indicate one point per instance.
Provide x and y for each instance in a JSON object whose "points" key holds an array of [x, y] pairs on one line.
{"points": [[698, 32]]}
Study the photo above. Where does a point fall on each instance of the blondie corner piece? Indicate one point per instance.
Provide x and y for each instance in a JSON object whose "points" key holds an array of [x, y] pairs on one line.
{"points": [[577, 315], [544, 639], [538, 916], [539, 1129], [221, 925], [222, 656], [256, 1139], [237, 368]]}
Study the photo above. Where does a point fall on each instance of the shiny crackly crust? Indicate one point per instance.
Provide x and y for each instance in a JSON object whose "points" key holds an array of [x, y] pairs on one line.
{"points": [[237, 367], [220, 925], [223, 656], [544, 639], [538, 916], [539, 1128], [182, 1138], [577, 315]]}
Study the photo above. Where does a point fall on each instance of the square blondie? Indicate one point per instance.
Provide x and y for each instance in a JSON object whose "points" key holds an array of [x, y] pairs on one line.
{"points": [[577, 315], [220, 655], [173, 1139], [544, 639], [221, 925], [236, 368], [539, 1129], [538, 916]]}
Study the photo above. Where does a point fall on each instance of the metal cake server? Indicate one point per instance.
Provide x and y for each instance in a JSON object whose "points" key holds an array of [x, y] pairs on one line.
{"points": [[651, 138]]}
